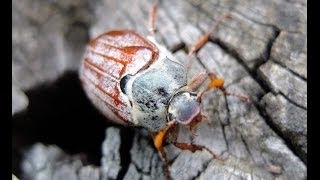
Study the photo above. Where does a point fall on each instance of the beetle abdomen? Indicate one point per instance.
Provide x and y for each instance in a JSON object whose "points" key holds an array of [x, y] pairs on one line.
{"points": [[107, 59]]}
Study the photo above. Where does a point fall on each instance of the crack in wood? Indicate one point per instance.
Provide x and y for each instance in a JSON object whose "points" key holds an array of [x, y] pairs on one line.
{"points": [[246, 145], [291, 101], [278, 131], [267, 53], [205, 166], [290, 70], [225, 139], [126, 136]]}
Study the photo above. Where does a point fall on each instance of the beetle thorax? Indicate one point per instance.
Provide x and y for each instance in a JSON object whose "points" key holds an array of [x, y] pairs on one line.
{"points": [[150, 91]]}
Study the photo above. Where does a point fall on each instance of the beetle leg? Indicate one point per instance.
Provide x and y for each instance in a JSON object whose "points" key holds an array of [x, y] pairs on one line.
{"points": [[199, 44], [165, 162], [205, 38], [217, 82], [158, 139], [193, 125], [196, 147], [197, 81], [153, 17]]}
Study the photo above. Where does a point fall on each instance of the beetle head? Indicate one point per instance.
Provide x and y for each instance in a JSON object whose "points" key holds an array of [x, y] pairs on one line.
{"points": [[183, 107]]}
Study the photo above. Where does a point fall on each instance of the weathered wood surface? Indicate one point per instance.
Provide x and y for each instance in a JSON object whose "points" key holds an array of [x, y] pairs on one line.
{"points": [[260, 51]]}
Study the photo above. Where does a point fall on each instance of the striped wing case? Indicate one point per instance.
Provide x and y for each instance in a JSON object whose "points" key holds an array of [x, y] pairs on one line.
{"points": [[107, 59]]}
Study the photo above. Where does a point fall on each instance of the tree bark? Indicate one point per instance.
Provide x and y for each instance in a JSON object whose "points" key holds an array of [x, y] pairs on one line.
{"points": [[260, 51]]}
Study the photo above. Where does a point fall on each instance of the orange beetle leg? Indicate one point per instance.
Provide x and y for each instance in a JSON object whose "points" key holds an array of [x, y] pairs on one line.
{"points": [[158, 139], [152, 18], [196, 147], [205, 38], [193, 125]]}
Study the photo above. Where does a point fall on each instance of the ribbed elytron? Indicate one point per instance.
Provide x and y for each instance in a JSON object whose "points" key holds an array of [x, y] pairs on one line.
{"points": [[135, 81]]}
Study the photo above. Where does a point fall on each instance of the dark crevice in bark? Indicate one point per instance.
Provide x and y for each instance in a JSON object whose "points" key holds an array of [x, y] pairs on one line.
{"points": [[180, 46], [267, 52], [126, 134], [173, 159], [228, 110], [205, 166], [200, 62], [59, 113], [290, 70], [292, 102], [224, 137], [224, 125], [277, 130], [140, 171], [246, 145]]}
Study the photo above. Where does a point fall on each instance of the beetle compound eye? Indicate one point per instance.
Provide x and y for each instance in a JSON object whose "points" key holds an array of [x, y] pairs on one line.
{"points": [[123, 82], [183, 107]]}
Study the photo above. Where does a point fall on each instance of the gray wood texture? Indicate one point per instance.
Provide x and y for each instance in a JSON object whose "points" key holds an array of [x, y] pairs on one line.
{"points": [[260, 51]]}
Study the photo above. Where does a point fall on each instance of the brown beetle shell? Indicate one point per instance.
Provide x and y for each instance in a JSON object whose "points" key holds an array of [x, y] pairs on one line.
{"points": [[107, 59]]}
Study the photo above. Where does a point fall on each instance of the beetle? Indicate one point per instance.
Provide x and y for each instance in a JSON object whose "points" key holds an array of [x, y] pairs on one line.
{"points": [[135, 81]]}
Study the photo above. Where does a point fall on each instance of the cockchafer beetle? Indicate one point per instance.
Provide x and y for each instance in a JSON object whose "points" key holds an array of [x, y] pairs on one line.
{"points": [[135, 81]]}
